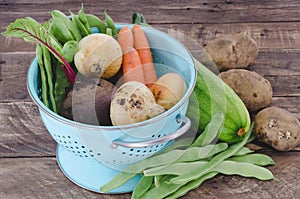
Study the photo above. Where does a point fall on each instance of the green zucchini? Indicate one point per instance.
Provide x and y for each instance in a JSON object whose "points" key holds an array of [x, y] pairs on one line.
{"points": [[215, 96]]}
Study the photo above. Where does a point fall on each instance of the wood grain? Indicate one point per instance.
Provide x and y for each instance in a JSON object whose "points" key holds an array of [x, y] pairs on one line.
{"points": [[22, 131], [47, 181], [166, 12], [279, 35], [28, 167]]}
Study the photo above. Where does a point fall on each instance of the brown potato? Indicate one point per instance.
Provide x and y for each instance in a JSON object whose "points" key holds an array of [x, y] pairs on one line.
{"points": [[89, 102], [254, 90], [278, 128], [230, 51]]}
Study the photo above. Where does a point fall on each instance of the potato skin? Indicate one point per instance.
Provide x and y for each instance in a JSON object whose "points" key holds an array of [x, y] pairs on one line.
{"points": [[278, 128], [230, 51], [254, 90]]}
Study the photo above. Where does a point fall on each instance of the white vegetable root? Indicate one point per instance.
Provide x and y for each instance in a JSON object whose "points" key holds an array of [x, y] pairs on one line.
{"points": [[133, 102], [99, 55], [169, 89]]}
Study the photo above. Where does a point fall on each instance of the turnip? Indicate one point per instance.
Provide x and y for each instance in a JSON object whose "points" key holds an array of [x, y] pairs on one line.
{"points": [[99, 55], [133, 102], [169, 89]]}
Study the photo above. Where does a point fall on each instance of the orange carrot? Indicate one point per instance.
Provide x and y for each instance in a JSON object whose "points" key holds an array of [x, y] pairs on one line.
{"points": [[132, 65], [142, 46], [125, 39]]}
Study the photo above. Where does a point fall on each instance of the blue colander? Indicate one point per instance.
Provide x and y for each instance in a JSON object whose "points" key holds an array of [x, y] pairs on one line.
{"points": [[92, 155]]}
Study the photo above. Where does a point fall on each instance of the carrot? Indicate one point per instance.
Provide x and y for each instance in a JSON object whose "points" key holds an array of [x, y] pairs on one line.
{"points": [[125, 39], [142, 46], [132, 65]]}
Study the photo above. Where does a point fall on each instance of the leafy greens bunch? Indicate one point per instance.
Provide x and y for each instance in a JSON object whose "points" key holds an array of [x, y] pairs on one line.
{"points": [[57, 42]]}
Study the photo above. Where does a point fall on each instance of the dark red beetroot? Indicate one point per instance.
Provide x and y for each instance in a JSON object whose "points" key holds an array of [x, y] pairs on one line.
{"points": [[88, 102]]}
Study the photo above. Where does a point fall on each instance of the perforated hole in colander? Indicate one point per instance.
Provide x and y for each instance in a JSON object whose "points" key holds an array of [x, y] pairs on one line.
{"points": [[72, 145]]}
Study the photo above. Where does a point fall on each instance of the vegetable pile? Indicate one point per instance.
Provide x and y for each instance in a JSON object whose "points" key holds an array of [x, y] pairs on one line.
{"points": [[175, 171], [233, 54], [75, 63]]}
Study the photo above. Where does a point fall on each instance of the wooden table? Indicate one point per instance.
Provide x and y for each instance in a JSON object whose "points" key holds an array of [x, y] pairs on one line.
{"points": [[27, 152]]}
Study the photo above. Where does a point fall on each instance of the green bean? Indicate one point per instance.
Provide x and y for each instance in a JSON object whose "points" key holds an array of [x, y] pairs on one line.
{"points": [[120, 179], [51, 40], [48, 69], [211, 131], [163, 190], [257, 159], [191, 185], [109, 31], [243, 151], [165, 159], [44, 85], [59, 30], [67, 23], [110, 24], [60, 86], [83, 19], [142, 187], [94, 21], [83, 31], [157, 179], [243, 169], [194, 174], [69, 50], [154, 161], [180, 168], [200, 153], [181, 143]]}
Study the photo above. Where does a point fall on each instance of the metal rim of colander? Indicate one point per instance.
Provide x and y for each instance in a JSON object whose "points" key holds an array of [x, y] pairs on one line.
{"points": [[50, 113]]}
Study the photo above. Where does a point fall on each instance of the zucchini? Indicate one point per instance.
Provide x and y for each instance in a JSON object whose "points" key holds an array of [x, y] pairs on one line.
{"points": [[212, 95], [215, 96]]}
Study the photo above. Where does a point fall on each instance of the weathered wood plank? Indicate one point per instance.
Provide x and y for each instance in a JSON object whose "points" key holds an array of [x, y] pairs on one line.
{"points": [[281, 35], [41, 178], [13, 88], [277, 62], [169, 11], [15, 63], [28, 168], [292, 104], [22, 131], [267, 35]]}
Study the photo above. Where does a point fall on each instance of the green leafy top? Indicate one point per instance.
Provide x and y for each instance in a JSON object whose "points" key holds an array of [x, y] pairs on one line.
{"points": [[30, 30]]}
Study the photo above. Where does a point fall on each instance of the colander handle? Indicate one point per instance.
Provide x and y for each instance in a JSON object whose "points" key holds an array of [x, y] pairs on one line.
{"points": [[182, 130]]}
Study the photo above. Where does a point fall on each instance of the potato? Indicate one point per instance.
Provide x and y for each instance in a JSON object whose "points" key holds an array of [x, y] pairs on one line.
{"points": [[89, 102], [254, 90], [278, 128], [230, 51]]}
